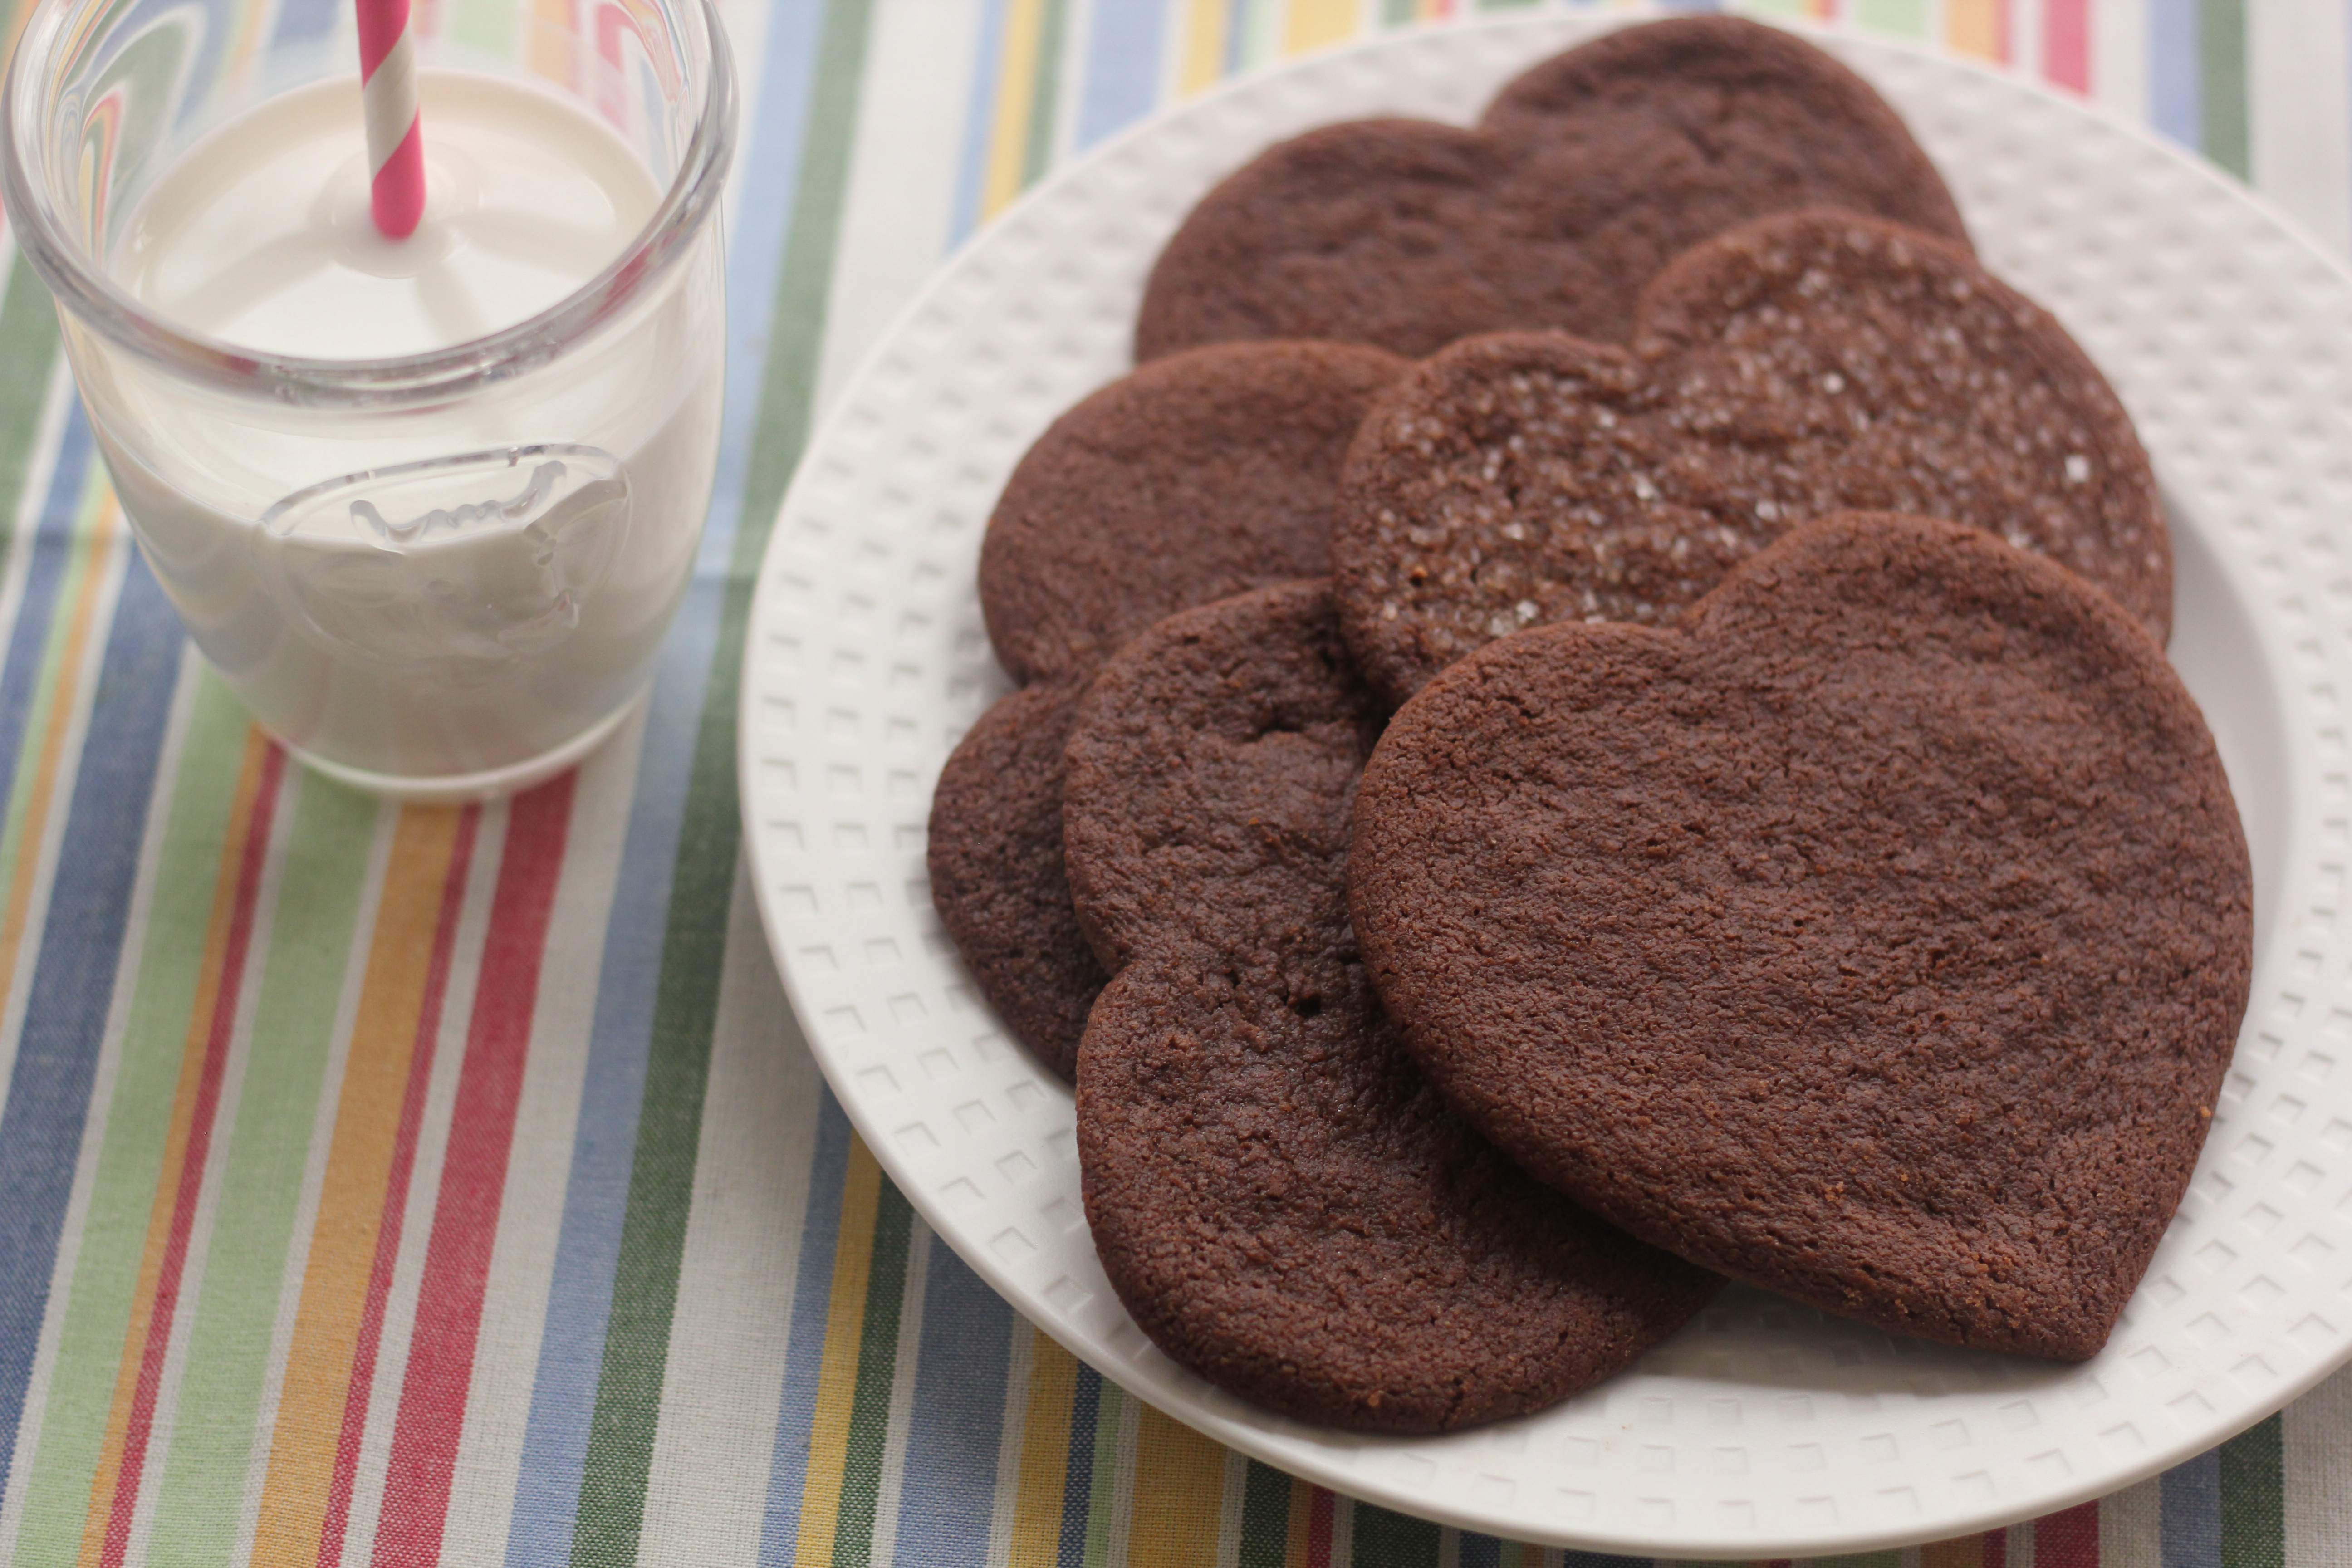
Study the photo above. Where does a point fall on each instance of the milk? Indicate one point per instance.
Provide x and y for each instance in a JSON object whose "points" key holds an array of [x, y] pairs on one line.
{"points": [[435, 592]]}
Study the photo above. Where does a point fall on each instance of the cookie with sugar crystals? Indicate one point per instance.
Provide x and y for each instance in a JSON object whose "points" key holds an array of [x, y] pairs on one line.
{"points": [[1799, 365], [1588, 174], [1278, 1198], [1878, 934], [1191, 479]]}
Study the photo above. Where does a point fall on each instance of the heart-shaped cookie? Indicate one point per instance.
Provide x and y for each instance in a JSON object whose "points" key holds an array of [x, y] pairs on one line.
{"points": [[1586, 174], [1799, 365], [1195, 478], [1879, 934], [1277, 1195]]}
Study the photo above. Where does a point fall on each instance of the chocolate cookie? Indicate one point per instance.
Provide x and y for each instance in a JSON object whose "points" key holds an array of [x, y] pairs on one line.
{"points": [[1195, 478], [996, 871], [1880, 934], [1796, 366], [1277, 1195], [1183, 482], [1588, 174]]}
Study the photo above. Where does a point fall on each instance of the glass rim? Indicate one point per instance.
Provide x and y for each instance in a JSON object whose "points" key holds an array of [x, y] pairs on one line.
{"points": [[94, 299]]}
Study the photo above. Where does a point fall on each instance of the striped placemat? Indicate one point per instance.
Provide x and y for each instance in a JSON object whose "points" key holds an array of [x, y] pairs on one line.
{"points": [[398, 1186]]}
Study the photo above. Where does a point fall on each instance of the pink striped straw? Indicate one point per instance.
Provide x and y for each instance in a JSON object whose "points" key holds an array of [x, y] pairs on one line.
{"points": [[388, 100]]}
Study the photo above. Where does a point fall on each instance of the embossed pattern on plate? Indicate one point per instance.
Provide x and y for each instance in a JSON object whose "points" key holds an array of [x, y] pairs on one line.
{"points": [[1763, 1429]]}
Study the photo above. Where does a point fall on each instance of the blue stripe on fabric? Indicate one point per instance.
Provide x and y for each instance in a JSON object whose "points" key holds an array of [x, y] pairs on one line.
{"points": [[805, 1350], [979, 118], [1237, 21], [1475, 1551], [579, 1296], [956, 1423], [53, 542], [1078, 1474], [1574, 1559], [2189, 1531], [73, 982], [2175, 93], [595, 1196], [303, 21], [1122, 80], [771, 148]]}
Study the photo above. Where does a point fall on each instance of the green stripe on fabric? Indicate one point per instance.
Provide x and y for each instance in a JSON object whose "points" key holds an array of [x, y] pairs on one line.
{"points": [[113, 1234], [64, 626], [685, 1003], [300, 979], [1111, 1414], [1265, 1517], [1396, 13], [1045, 93], [877, 1365], [28, 347], [1858, 1560], [1386, 1539], [1903, 18], [1261, 34], [2253, 1497], [2222, 85], [481, 25], [796, 341]]}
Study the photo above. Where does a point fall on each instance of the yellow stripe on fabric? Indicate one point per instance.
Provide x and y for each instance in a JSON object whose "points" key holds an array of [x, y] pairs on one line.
{"points": [[1319, 24], [1179, 1480], [837, 1378], [350, 1198], [61, 682], [1016, 91], [554, 40], [1295, 1543], [247, 39], [109, 1474], [1204, 45], [1973, 27], [1045, 1453]]}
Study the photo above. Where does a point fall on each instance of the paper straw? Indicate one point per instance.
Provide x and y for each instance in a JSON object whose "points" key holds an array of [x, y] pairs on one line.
{"points": [[388, 99]]}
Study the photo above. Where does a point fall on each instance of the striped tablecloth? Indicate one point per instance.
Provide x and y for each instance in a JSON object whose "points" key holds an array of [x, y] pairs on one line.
{"points": [[411, 1186]]}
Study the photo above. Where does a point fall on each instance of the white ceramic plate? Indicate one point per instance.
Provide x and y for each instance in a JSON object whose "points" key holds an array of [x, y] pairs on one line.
{"points": [[1763, 1429]]}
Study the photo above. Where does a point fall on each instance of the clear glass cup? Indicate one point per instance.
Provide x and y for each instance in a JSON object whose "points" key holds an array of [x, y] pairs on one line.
{"points": [[442, 575]]}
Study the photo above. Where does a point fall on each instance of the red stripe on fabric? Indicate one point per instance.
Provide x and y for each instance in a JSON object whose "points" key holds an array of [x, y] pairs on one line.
{"points": [[1319, 1505], [473, 1183], [395, 1192], [2068, 1540], [2066, 43], [1996, 1549], [219, 1033]]}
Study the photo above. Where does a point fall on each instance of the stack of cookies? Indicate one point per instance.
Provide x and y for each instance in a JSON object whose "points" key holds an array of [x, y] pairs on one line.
{"points": [[1594, 718]]}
